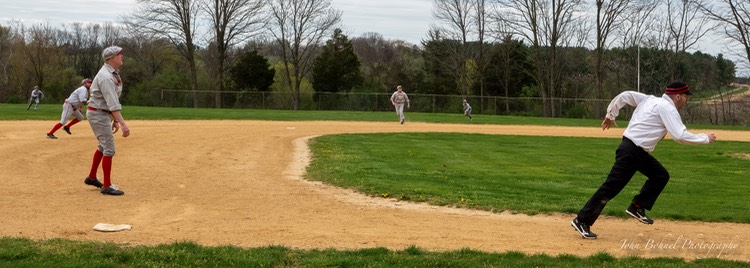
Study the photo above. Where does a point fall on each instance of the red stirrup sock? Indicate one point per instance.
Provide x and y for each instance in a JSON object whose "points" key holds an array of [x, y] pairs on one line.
{"points": [[107, 168], [55, 128], [95, 164], [73, 122]]}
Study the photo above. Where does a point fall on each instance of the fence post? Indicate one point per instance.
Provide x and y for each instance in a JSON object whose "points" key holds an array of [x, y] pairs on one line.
{"points": [[433, 103]]}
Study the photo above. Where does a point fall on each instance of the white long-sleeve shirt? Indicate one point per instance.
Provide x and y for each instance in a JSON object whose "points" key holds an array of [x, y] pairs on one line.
{"points": [[652, 119]]}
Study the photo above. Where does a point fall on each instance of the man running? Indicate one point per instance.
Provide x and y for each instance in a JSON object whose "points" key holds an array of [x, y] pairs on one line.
{"points": [[36, 95], [72, 107], [652, 119]]}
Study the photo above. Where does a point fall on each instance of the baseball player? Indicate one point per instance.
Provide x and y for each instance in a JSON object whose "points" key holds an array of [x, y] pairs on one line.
{"points": [[72, 107], [652, 119], [398, 99], [103, 114], [36, 95], [467, 109]]}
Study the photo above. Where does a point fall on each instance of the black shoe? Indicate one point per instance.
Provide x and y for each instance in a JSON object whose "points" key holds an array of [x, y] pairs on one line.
{"points": [[67, 129], [93, 182], [583, 229], [402, 121], [51, 136], [639, 214], [112, 190]]}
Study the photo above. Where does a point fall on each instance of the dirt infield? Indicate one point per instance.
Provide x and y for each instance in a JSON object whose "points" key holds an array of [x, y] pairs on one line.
{"points": [[239, 183]]}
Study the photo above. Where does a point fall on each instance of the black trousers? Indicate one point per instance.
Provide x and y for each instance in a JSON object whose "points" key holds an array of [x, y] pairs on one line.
{"points": [[629, 158]]}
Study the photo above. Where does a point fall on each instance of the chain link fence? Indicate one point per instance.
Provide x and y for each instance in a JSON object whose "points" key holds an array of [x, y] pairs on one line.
{"points": [[725, 112]]}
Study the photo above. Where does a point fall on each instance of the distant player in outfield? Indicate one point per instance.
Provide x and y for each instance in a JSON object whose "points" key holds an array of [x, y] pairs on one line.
{"points": [[103, 113], [398, 99], [653, 118], [467, 109], [72, 107], [36, 95]]}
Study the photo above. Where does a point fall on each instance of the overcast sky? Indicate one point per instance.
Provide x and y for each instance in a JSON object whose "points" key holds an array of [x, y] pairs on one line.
{"points": [[407, 20]]}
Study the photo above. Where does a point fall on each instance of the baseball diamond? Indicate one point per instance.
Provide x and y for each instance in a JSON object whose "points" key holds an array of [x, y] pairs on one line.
{"points": [[199, 185]]}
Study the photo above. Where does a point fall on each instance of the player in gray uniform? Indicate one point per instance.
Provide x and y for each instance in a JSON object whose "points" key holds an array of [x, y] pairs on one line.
{"points": [[103, 113], [36, 95], [398, 99], [72, 107], [467, 109]]}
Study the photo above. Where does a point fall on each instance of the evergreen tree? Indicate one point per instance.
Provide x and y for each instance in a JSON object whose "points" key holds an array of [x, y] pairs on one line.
{"points": [[252, 71], [337, 67]]}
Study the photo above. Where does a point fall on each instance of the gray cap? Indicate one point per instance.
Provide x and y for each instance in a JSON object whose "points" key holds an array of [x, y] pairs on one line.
{"points": [[85, 80], [110, 52]]}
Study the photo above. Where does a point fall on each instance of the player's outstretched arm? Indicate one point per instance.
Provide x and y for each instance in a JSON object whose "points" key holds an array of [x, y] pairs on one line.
{"points": [[607, 123]]}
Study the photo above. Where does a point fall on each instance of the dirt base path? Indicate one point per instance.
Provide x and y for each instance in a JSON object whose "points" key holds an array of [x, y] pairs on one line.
{"points": [[239, 183]]}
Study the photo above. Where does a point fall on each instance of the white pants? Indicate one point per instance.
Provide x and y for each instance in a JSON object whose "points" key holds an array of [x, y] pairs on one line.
{"points": [[69, 111], [101, 124], [400, 111]]}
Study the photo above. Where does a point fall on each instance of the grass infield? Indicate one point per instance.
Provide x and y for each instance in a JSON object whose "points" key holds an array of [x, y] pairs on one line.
{"points": [[530, 174]]}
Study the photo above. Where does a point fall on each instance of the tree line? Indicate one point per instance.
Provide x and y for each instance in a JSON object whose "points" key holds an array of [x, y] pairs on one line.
{"points": [[216, 50]]}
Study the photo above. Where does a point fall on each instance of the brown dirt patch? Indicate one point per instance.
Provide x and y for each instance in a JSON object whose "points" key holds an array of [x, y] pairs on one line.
{"points": [[239, 183]]}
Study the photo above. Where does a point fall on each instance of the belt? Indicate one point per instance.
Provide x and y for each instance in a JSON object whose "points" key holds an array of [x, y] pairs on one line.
{"points": [[97, 109]]}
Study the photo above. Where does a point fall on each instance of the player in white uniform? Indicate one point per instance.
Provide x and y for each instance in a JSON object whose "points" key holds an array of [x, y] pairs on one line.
{"points": [[72, 107], [36, 95], [103, 114], [467, 109], [398, 99]]}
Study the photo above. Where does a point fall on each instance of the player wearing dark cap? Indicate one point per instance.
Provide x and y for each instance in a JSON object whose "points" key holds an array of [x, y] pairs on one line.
{"points": [[653, 118]]}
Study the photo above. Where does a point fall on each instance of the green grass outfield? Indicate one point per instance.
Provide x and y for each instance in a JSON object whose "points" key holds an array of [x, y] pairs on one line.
{"points": [[52, 112], [489, 172]]}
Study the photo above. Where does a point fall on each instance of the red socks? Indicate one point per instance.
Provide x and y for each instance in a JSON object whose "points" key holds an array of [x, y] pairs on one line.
{"points": [[95, 164], [58, 126], [55, 128], [73, 122], [107, 168]]}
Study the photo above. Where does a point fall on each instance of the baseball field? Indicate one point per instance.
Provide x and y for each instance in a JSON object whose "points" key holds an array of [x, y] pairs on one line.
{"points": [[241, 182]]}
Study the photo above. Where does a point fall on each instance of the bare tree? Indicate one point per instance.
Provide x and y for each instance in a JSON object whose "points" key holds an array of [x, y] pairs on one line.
{"points": [[608, 19], [638, 24], [41, 51], [453, 31], [733, 18], [481, 18], [175, 20], [233, 22], [7, 34], [456, 15], [84, 48], [376, 54], [733, 21], [298, 27], [686, 27], [546, 24]]}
